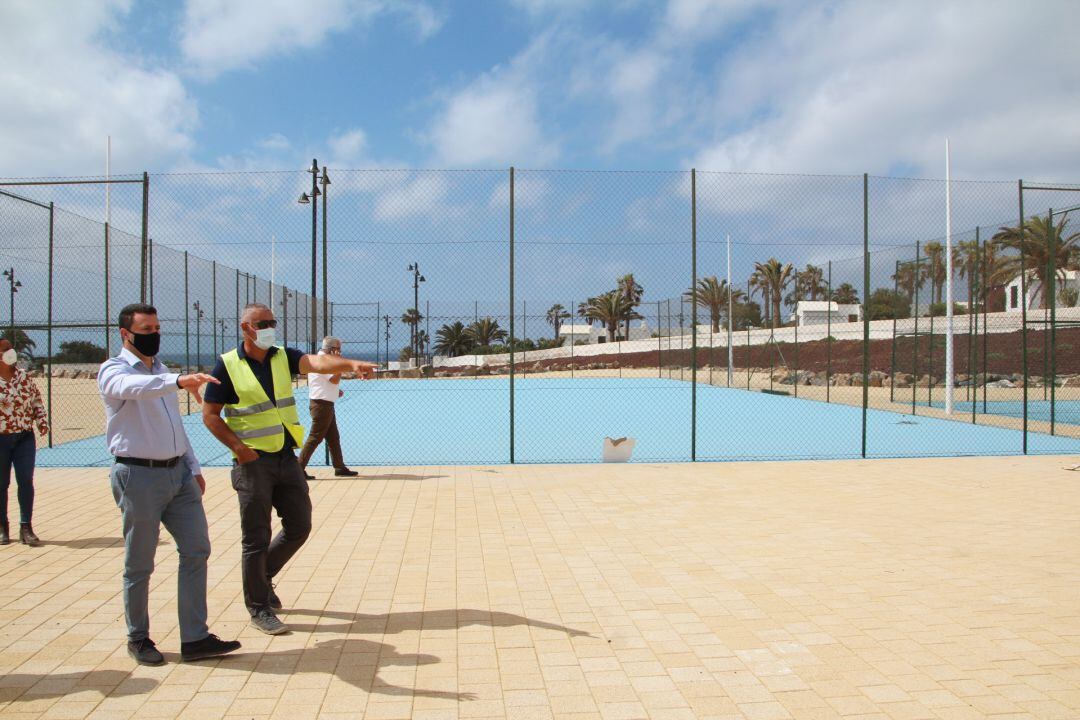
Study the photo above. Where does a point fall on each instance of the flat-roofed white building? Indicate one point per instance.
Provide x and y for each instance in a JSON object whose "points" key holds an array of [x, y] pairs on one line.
{"points": [[816, 312], [1070, 284]]}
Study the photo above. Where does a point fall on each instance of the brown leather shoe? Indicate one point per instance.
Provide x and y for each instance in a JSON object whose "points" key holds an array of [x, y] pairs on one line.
{"points": [[27, 536]]}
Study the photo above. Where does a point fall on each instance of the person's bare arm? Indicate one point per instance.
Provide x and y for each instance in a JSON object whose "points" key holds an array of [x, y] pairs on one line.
{"points": [[211, 415], [334, 364]]}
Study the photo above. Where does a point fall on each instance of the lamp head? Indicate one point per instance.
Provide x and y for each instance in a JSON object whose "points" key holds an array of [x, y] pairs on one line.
{"points": [[303, 199]]}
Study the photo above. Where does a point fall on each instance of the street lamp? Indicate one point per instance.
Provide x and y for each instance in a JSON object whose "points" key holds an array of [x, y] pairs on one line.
{"points": [[305, 199], [15, 285], [417, 279], [386, 319], [199, 315]]}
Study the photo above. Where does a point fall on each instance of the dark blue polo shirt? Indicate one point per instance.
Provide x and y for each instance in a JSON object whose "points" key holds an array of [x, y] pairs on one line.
{"points": [[225, 393]]}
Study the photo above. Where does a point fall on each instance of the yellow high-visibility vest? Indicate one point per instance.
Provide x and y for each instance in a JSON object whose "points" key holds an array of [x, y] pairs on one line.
{"points": [[256, 419]]}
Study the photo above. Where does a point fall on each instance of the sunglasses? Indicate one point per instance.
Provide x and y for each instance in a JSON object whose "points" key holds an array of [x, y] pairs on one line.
{"points": [[264, 324]]}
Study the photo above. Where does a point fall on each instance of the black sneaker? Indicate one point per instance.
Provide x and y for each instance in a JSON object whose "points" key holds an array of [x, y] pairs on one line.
{"points": [[345, 472], [145, 652], [210, 646], [275, 601], [266, 621], [308, 476]]}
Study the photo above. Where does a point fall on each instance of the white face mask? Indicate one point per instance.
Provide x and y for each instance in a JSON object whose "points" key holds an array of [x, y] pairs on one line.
{"points": [[265, 338], [10, 357]]}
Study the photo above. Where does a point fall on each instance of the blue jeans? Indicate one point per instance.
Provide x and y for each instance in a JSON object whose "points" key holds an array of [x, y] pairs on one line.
{"points": [[147, 498], [18, 449]]}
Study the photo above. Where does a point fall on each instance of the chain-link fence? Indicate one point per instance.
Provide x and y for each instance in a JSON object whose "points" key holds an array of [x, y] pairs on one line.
{"points": [[525, 316]]}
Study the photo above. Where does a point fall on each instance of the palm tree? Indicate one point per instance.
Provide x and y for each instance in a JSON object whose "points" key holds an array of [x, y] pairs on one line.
{"points": [[845, 295], [713, 295], [773, 279], [20, 342], [934, 270], [412, 318], [452, 340], [421, 343], [908, 278], [1034, 242], [484, 332], [966, 260], [632, 292], [809, 285], [555, 316], [609, 309]]}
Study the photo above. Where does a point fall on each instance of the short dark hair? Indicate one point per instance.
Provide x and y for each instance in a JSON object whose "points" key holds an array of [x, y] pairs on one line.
{"points": [[127, 315]]}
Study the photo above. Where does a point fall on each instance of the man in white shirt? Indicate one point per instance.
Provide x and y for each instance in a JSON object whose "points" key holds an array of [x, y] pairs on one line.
{"points": [[323, 392]]}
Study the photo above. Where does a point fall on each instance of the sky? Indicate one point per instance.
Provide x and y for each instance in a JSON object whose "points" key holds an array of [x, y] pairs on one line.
{"points": [[555, 87]]}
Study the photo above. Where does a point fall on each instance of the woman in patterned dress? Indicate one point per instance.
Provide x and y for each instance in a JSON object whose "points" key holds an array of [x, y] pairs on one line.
{"points": [[21, 410]]}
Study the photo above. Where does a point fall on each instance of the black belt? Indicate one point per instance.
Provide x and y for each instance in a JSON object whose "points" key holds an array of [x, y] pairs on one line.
{"points": [[150, 463]]}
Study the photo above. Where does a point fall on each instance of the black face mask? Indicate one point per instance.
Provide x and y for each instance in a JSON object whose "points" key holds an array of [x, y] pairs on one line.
{"points": [[147, 344]]}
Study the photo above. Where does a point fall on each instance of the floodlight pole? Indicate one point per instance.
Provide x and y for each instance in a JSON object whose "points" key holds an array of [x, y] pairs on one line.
{"points": [[949, 369]]}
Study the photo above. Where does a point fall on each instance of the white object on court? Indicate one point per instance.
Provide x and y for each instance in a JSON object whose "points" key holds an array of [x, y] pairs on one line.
{"points": [[618, 449]]}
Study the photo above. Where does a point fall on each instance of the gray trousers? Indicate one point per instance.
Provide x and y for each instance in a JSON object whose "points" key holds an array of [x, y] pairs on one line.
{"points": [[149, 498]]}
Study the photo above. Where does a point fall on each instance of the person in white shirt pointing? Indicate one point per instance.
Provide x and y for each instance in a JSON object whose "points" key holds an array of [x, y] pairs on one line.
{"points": [[323, 392]]}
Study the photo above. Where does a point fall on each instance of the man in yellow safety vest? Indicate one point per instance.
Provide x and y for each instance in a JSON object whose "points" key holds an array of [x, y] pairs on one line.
{"points": [[263, 431]]}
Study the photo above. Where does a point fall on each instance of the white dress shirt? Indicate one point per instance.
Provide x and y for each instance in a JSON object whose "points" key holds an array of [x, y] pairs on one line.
{"points": [[320, 387], [142, 410]]}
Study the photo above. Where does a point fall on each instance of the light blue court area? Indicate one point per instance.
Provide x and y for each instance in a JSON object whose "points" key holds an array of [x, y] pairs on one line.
{"points": [[1066, 412], [467, 421]]}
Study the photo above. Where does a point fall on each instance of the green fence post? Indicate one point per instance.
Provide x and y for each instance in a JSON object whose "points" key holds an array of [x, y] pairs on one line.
{"points": [[187, 329], [866, 307], [49, 341], [1052, 282], [693, 315], [892, 360], [828, 338], [915, 280], [512, 311], [1023, 316], [144, 249]]}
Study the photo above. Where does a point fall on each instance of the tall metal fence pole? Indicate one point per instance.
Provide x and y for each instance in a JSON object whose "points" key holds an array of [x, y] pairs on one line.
{"points": [[866, 308], [1051, 281], [237, 307], [986, 328], [693, 315], [150, 267], [187, 329], [916, 281], [49, 340], [512, 314], [214, 323], [973, 339], [145, 236], [108, 340], [1023, 314], [892, 361], [325, 299], [378, 316], [828, 337]]}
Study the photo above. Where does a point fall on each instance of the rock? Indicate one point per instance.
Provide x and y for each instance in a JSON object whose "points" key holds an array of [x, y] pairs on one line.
{"points": [[1002, 383]]}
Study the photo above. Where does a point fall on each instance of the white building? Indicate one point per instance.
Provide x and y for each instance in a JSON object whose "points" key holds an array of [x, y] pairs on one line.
{"points": [[594, 334], [817, 312], [1035, 291]]}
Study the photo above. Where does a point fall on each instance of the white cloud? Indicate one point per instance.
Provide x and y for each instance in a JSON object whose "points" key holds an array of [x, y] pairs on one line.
{"points": [[494, 121], [222, 35], [65, 90], [421, 195], [869, 86]]}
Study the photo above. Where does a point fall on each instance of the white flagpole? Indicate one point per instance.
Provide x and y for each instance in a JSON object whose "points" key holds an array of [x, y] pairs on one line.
{"points": [[730, 350], [949, 376]]}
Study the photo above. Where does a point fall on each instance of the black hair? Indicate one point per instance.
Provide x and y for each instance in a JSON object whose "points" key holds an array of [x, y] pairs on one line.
{"points": [[127, 315]]}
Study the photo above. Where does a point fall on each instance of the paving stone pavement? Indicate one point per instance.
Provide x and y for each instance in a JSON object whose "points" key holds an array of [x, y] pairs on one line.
{"points": [[940, 588]]}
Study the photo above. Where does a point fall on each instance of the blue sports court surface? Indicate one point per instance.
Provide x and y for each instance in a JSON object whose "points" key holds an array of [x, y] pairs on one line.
{"points": [[467, 421]]}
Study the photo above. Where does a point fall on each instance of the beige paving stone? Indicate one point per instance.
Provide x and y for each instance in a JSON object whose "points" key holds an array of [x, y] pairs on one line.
{"points": [[896, 589]]}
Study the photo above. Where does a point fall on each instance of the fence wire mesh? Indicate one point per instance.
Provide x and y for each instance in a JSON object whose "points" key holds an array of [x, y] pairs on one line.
{"points": [[527, 315]]}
